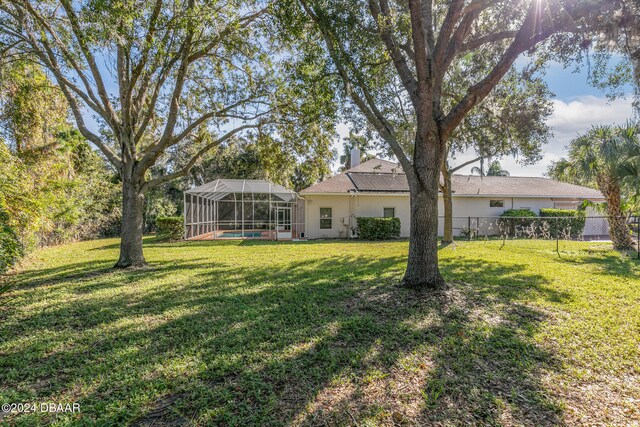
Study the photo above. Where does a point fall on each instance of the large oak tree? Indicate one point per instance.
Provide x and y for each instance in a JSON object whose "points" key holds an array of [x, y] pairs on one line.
{"points": [[379, 46], [153, 74]]}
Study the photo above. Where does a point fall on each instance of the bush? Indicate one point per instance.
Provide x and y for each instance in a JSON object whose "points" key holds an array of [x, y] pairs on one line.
{"points": [[373, 228], [518, 213], [170, 227], [567, 222], [519, 222], [10, 246]]}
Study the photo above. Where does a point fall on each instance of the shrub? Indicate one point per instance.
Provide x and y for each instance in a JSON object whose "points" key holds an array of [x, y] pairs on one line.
{"points": [[10, 246], [564, 222], [374, 228], [518, 213], [519, 220], [170, 227]]}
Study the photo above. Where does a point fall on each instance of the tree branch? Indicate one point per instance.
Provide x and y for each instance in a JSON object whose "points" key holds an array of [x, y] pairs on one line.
{"points": [[526, 38], [91, 62], [241, 23], [489, 38], [382, 16], [367, 105], [166, 178], [467, 163]]}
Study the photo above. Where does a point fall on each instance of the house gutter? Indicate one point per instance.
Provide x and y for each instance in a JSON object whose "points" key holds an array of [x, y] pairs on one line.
{"points": [[406, 193]]}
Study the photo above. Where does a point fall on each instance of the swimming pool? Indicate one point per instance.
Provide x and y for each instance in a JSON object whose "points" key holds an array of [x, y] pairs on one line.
{"points": [[240, 234]]}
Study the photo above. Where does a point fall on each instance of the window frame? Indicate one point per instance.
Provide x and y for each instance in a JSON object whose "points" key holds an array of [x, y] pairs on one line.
{"points": [[501, 201], [324, 219]]}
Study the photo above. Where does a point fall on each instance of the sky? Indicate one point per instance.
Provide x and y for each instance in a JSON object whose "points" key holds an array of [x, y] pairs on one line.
{"points": [[576, 107]]}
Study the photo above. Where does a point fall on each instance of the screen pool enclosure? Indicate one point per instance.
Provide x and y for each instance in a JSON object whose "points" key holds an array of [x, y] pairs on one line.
{"points": [[242, 209]]}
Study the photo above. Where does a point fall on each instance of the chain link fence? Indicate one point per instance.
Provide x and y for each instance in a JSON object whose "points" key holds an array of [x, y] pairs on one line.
{"points": [[590, 228]]}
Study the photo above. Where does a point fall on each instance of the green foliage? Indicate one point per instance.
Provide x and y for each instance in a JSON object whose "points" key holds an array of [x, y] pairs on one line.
{"points": [[4, 289], [608, 158], [377, 228], [361, 142], [518, 213], [10, 246], [569, 224], [32, 109], [170, 227], [518, 219], [495, 169], [564, 222], [54, 187]]}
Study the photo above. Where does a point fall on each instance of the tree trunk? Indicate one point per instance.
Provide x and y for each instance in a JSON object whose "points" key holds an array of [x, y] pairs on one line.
{"points": [[635, 62], [422, 266], [448, 206], [132, 225], [618, 229]]}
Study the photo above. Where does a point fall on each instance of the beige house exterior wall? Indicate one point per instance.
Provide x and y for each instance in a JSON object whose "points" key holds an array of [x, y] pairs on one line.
{"points": [[340, 205], [346, 207]]}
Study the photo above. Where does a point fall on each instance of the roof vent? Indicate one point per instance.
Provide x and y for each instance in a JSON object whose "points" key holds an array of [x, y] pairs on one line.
{"points": [[355, 157]]}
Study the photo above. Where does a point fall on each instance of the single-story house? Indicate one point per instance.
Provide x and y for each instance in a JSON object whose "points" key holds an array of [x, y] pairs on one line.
{"points": [[377, 188]]}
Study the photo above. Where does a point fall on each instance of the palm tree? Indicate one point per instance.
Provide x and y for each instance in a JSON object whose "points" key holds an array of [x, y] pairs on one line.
{"points": [[604, 157], [495, 169]]}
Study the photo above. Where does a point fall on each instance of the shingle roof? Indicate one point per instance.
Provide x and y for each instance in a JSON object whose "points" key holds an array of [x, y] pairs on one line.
{"points": [[379, 175], [518, 186], [340, 183]]}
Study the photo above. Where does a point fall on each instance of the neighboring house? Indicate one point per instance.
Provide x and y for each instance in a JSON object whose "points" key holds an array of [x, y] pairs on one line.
{"points": [[379, 188]]}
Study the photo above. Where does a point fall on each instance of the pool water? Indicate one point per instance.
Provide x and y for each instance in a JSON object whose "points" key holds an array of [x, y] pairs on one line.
{"points": [[240, 234]]}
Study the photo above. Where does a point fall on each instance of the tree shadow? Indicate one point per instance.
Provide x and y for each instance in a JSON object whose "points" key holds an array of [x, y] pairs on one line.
{"points": [[324, 340], [620, 264]]}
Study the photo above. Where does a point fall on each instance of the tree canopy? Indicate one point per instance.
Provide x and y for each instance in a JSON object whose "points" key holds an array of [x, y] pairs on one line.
{"points": [[162, 75]]}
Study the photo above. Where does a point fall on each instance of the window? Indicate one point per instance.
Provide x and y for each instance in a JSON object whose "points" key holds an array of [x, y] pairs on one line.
{"points": [[326, 218], [389, 212], [496, 203]]}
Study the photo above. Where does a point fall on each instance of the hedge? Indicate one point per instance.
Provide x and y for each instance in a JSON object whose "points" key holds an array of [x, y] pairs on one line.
{"points": [[520, 220], [170, 227], [375, 228], [561, 223], [566, 222]]}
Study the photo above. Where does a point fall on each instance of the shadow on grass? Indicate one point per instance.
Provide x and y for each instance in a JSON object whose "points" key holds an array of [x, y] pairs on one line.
{"points": [[187, 341], [621, 264]]}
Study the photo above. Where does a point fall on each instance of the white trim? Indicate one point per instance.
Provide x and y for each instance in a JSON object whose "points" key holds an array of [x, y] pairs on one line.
{"points": [[526, 196]]}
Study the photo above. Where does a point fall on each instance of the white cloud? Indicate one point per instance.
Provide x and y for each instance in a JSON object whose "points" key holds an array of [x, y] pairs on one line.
{"points": [[569, 119]]}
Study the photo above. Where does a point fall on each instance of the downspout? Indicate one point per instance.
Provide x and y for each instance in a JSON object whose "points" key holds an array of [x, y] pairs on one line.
{"points": [[306, 202], [352, 212]]}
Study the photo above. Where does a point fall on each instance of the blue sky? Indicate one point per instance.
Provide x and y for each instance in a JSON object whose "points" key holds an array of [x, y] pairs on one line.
{"points": [[577, 106]]}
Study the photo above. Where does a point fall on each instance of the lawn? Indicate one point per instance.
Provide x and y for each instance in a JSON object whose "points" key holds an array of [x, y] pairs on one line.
{"points": [[266, 333]]}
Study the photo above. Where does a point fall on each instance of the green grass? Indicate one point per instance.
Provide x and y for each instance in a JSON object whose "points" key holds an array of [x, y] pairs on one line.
{"points": [[266, 333]]}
